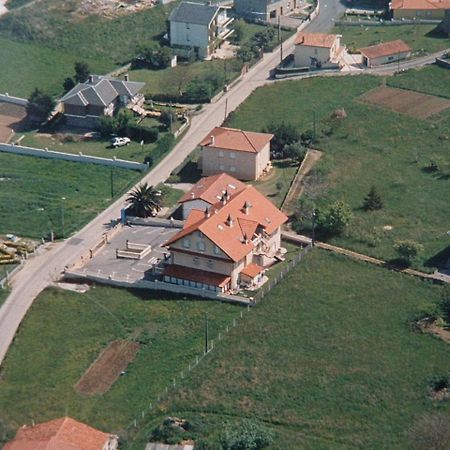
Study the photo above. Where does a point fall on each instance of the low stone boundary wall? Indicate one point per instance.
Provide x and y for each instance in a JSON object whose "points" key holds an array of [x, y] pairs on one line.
{"points": [[134, 251], [155, 222], [372, 23], [441, 62], [51, 154], [6, 98]]}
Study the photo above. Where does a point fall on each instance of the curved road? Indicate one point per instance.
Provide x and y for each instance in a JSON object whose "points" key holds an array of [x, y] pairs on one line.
{"points": [[42, 269]]}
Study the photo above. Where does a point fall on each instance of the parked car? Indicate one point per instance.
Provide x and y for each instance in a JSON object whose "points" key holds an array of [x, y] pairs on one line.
{"points": [[120, 141]]}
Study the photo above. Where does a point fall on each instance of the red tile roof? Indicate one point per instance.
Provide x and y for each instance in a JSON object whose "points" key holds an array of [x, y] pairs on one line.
{"points": [[420, 4], [59, 434], [252, 270], [237, 140], [385, 49], [230, 238], [200, 276], [210, 189], [316, 39]]}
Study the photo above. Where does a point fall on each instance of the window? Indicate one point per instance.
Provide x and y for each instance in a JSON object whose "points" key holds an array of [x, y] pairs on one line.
{"points": [[390, 58], [201, 246], [232, 169], [216, 250], [316, 52], [196, 261], [187, 242], [222, 167], [188, 39], [210, 264], [221, 153], [232, 155]]}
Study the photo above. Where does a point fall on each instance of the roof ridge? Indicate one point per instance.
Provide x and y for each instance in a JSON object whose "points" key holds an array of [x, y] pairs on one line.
{"points": [[248, 139]]}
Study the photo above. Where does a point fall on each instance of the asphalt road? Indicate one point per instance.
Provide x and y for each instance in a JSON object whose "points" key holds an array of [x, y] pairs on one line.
{"points": [[42, 269]]}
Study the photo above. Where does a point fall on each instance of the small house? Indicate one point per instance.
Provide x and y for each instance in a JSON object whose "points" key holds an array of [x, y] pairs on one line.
{"points": [[419, 9], [244, 155], [264, 9], [317, 50], [385, 53]]}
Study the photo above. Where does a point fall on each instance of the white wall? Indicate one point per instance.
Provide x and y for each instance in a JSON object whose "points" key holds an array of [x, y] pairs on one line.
{"points": [[303, 55], [387, 59], [191, 35]]}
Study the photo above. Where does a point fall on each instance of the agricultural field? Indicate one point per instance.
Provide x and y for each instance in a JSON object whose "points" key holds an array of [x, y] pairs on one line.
{"points": [[32, 191], [65, 332], [328, 360], [371, 146], [421, 38]]}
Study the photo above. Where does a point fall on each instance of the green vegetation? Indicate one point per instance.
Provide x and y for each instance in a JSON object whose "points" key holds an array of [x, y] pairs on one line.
{"points": [[421, 38], [31, 192], [170, 195], [433, 80], [3, 292], [371, 146], [26, 66], [328, 360], [65, 331]]}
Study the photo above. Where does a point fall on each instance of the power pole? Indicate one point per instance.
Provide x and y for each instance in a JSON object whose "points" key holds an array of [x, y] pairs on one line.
{"points": [[314, 126], [112, 182], [226, 108], [206, 333]]}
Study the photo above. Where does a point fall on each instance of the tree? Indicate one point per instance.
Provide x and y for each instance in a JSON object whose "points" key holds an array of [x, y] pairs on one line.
{"points": [[168, 117], [122, 120], [40, 105], [408, 250], [82, 72], [144, 201], [284, 134], [294, 151], [247, 436], [68, 84], [238, 26], [335, 218], [372, 201]]}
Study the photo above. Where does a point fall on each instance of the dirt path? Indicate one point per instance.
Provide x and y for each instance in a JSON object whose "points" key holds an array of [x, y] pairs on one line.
{"points": [[296, 189], [291, 236]]}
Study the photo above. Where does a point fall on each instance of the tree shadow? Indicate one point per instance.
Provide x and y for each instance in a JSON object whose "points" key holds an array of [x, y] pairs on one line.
{"points": [[190, 173], [437, 33], [398, 264], [439, 259]]}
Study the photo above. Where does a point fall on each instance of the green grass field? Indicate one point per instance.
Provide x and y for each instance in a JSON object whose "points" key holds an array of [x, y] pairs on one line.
{"points": [[372, 146], [418, 37], [63, 334], [327, 361], [26, 66], [31, 191]]}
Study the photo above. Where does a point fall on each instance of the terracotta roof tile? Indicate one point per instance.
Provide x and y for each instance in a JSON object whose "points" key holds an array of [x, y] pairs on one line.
{"points": [[210, 189], [59, 434], [385, 49], [200, 276], [316, 39], [420, 4], [252, 270], [237, 140]]}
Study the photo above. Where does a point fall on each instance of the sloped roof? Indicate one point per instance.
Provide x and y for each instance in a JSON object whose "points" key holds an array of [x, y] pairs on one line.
{"points": [[211, 189], [59, 434], [237, 140], [200, 276], [420, 4], [235, 239], [385, 49], [101, 91], [315, 39], [252, 270], [192, 12]]}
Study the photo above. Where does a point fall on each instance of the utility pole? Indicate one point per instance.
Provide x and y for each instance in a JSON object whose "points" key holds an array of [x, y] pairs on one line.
{"points": [[206, 333], [226, 108], [314, 127], [62, 216], [112, 182], [313, 230]]}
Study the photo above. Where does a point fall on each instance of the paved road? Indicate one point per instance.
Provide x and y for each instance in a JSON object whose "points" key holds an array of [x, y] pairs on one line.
{"points": [[46, 267]]}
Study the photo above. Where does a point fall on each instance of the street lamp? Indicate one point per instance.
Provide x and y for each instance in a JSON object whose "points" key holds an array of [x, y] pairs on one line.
{"points": [[313, 230], [62, 216]]}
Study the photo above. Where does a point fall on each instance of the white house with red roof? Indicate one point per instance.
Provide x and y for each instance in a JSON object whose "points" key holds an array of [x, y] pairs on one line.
{"points": [[385, 53], [318, 50], [227, 244], [242, 154], [64, 433], [419, 9]]}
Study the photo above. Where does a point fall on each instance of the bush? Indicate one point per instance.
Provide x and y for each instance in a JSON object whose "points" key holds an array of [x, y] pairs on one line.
{"points": [[40, 105], [408, 250], [198, 91], [372, 201], [168, 117], [335, 218], [140, 133], [284, 134], [246, 436]]}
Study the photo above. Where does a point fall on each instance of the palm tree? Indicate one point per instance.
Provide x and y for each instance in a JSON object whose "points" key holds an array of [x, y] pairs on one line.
{"points": [[144, 201]]}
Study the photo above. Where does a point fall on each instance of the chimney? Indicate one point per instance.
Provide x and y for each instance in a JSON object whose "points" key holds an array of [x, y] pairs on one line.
{"points": [[207, 212], [230, 221], [126, 77], [213, 140], [223, 200], [247, 207], [246, 239], [192, 195], [227, 195], [91, 79]]}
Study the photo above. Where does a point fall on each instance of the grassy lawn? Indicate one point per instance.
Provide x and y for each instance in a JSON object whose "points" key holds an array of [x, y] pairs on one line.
{"points": [[31, 194], [65, 331], [3, 293], [372, 146], [250, 29], [418, 37], [328, 360], [26, 66], [433, 80]]}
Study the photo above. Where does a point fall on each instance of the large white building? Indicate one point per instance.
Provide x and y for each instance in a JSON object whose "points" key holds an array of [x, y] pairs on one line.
{"points": [[200, 26]]}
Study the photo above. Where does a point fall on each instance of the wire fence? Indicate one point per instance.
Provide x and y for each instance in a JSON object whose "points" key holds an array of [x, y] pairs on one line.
{"points": [[178, 378]]}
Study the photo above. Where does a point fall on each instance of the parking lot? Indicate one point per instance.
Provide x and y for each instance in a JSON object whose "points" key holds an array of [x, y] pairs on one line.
{"points": [[106, 264]]}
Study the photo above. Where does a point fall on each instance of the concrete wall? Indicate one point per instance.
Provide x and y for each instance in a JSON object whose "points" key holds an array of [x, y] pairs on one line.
{"points": [[304, 53], [114, 162], [190, 35], [14, 100], [435, 14], [385, 59]]}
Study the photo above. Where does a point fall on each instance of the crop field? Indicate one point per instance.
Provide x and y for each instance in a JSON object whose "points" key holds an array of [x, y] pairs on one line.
{"points": [[38, 195], [412, 103], [421, 38], [372, 146], [328, 360], [65, 332]]}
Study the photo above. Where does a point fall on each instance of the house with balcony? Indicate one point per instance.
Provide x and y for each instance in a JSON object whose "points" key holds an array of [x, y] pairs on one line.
{"points": [[244, 155], [264, 10], [202, 27], [99, 96], [228, 244]]}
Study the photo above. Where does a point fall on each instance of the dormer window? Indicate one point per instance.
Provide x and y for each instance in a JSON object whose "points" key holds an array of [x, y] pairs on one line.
{"points": [[201, 246], [187, 242]]}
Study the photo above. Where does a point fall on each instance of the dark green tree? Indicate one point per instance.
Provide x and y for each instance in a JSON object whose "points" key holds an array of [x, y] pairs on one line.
{"points": [[335, 218], [144, 201], [68, 84], [284, 134], [408, 250], [246, 436], [82, 72], [372, 201], [40, 105]]}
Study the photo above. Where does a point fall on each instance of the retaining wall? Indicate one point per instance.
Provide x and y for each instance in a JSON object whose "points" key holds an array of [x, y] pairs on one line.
{"points": [[372, 23], [6, 98], [441, 62], [51, 154]]}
